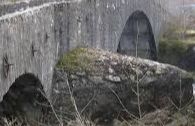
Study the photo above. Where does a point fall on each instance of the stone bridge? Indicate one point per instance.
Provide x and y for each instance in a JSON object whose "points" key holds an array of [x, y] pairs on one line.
{"points": [[34, 34]]}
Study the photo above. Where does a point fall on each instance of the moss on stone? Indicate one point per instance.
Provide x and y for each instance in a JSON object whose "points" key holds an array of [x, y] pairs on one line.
{"points": [[76, 60]]}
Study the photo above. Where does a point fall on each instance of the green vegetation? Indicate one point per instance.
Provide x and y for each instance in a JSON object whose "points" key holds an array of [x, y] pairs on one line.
{"points": [[70, 60], [75, 60], [174, 44], [170, 51]]}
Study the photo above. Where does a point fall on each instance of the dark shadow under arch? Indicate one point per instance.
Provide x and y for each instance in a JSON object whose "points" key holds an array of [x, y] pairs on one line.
{"points": [[24, 98], [138, 35]]}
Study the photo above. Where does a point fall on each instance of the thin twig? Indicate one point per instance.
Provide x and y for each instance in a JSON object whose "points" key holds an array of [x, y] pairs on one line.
{"points": [[43, 94], [74, 104], [137, 77], [121, 103], [88, 104]]}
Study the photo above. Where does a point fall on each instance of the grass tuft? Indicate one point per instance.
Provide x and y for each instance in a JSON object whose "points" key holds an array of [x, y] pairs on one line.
{"points": [[74, 60]]}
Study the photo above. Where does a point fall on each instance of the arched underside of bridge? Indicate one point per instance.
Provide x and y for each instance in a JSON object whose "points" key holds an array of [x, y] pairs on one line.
{"points": [[24, 98], [137, 38]]}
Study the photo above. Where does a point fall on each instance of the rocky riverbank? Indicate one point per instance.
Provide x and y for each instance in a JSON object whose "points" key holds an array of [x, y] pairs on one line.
{"points": [[106, 86], [98, 87]]}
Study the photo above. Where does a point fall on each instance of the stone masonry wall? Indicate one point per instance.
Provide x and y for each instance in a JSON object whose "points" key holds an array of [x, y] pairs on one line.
{"points": [[33, 39]]}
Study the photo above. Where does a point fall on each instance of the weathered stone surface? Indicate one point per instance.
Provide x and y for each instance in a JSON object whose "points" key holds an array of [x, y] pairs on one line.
{"points": [[53, 27], [100, 93]]}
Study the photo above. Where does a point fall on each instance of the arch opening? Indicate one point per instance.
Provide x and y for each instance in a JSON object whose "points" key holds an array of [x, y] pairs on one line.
{"points": [[137, 38], [24, 99]]}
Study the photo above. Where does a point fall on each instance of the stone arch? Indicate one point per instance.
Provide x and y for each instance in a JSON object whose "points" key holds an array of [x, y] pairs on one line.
{"points": [[138, 35], [24, 98]]}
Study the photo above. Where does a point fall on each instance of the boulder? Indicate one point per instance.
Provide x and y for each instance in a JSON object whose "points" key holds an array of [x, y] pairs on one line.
{"points": [[105, 85]]}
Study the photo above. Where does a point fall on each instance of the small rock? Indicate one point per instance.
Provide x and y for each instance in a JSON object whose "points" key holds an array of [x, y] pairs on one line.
{"points": [[81, 73], [114, 63], [113, 78], [193, 88], [96, 79], [111, 71], [73, 77], [56, 91]]}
